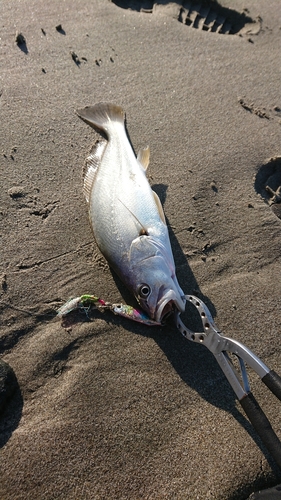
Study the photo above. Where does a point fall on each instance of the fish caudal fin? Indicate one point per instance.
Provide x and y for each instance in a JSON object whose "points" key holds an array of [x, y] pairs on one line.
{"points": [[91, 166], [101, 115]]}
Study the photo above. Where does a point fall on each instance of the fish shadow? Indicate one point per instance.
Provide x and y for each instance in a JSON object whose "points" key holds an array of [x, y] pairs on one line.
{"points": [[193, 362], [184, 273], [10, 408]]}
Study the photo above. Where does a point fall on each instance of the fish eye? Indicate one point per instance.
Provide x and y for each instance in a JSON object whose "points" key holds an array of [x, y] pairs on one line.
{"points": [[144, 291]]}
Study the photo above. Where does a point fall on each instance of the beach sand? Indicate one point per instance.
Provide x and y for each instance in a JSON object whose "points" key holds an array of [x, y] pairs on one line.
{"points": [[111, 409]]}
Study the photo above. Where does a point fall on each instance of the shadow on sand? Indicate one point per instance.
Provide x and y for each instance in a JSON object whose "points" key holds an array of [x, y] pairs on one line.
{"points": [[11, 402], [194, 363]]}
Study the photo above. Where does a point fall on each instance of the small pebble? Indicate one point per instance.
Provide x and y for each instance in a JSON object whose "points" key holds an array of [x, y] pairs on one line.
{"points": [[4, 283], [16, 192], [214, 186], [20, 40], [75, 57]]}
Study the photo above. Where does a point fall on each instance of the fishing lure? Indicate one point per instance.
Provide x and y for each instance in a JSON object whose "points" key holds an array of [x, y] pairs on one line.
{"points": [[87, 302]]}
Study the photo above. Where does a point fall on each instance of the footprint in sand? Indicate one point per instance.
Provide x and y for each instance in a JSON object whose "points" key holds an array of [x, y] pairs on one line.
{"points": [[206, 16], [268, 184]]}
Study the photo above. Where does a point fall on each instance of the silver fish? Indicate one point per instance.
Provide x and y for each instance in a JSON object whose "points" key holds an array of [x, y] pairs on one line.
{"points": [[127, 216]]}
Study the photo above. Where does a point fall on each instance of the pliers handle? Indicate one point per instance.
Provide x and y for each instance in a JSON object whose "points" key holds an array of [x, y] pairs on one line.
{"points": [[222, 347]]}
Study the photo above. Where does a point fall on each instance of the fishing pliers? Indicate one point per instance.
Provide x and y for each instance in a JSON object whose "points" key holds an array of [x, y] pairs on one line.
{"points": [[222, 348]]}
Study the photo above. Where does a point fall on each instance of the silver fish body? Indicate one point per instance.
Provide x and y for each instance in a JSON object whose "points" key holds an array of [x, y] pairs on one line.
{"points": [[127, 216]]}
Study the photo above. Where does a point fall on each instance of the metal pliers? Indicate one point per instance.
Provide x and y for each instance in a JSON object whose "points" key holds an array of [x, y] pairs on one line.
{"points": [[222, 347]]}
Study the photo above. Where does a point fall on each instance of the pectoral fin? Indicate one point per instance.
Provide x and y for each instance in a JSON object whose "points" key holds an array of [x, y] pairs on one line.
{"points": [[143, 157]]}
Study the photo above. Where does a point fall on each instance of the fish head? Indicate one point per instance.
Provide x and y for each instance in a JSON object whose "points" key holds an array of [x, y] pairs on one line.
{"points": [[154, 282]]}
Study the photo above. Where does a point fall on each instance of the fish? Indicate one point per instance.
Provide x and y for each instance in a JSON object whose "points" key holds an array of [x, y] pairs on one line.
{"points": [[126, 215]]}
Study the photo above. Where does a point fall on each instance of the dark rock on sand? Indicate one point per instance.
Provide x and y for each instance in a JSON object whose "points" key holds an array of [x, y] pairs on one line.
{"points": [[8, 384]]}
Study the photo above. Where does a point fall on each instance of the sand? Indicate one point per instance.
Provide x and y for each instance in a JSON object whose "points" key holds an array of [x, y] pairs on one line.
{"points": [[111, 409]]}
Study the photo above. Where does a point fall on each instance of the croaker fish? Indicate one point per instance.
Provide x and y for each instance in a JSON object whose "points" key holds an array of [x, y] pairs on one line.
{"points": [[127, 216]]}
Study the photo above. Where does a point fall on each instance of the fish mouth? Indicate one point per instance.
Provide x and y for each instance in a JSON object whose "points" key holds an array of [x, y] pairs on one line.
{"points": [[167, 305]]}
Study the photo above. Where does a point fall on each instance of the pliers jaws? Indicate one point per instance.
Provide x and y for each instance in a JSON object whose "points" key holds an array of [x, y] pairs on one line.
{"points": [[220, 346]]}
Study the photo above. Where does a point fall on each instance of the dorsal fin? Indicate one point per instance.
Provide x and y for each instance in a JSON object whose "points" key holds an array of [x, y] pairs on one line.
{"points": [[143, 157], [91, 166], [159, 206]]}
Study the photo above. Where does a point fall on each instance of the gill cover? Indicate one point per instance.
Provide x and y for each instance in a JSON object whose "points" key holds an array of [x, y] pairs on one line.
{"points": [[153, 268]]}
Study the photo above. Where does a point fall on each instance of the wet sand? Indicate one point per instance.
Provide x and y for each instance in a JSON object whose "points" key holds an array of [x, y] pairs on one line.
{"points": [[110, 409]]}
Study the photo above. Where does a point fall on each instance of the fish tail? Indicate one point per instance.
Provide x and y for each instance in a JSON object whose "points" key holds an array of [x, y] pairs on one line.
{"points": [[101, 115]]}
